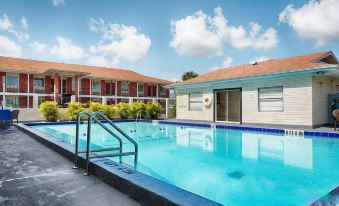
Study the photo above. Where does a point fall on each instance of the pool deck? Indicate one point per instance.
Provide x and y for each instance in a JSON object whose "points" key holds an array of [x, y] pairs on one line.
{"points": [[33, 174]]}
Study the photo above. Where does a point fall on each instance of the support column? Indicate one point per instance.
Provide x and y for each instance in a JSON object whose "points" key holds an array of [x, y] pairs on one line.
{"points": [[35, 101], [76, 92], [137, 89], [104, 100], [90, 88], [27, 90], [157, 90], [130, 100], [166, 108], [4, 91], [116, 92], [56, 87]]}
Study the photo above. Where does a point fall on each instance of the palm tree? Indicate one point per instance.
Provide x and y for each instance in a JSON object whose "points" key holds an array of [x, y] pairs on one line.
{"points": [[189, 75]]}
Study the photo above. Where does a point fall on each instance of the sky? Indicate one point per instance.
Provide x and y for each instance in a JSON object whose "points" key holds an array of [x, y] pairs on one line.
{"points": [[168, 37]]}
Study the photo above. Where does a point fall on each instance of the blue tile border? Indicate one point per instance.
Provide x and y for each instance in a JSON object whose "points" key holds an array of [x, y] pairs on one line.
{"points": [[207, 125]]}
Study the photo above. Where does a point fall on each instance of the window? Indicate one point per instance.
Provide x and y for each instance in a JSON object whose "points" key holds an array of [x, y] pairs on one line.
{"points": [[39, 85], [12, 101], [124, 88], [195, 101], [271, 99], [163, 91], [12, 83], [73, 84], [108, 88], [96, 87], [141, 90]]}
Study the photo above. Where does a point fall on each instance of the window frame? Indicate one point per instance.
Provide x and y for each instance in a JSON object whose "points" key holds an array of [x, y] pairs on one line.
{"points": [[141, 93], [95, 91], [195, 101], [18, 83], [123, 92], [43, 87], [271, 99]]}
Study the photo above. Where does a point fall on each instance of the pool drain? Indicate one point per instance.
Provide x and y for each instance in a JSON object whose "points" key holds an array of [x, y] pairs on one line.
{"points": [[236, 175]]}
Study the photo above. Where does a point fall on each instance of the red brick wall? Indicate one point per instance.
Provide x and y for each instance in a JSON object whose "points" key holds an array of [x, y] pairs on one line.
{"points": [[132, 89], [113, 88], [30, 102], [103, 87], [31, 84], [85, 86], [119, 88], [69, 85], [22, 101], [1, 75], [23, 83], [145, 90], [48, 85]]}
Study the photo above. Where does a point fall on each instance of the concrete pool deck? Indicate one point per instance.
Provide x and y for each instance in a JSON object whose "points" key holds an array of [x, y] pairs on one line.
{"points": [[33, 174]]}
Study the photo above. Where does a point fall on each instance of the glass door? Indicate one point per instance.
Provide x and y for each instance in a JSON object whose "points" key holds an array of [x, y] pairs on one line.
{"points": [[228, 105]]}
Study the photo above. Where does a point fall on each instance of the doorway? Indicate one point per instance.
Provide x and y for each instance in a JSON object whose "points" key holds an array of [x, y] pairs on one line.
{"points": [[228, 105]]}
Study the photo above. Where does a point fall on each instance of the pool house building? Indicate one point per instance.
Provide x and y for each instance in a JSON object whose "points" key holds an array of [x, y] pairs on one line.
{"points": [[25, 83], [292, 91]]}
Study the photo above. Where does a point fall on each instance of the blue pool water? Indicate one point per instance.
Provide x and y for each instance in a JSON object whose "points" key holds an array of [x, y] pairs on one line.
{"points": [[231, 167]]}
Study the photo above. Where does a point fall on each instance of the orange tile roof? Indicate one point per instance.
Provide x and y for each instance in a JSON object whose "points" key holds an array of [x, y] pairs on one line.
{"points": [[36, 66], [271, 66]]}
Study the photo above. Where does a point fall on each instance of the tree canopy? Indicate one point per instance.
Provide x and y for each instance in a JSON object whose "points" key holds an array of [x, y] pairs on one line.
{"points": [[189, 75]]}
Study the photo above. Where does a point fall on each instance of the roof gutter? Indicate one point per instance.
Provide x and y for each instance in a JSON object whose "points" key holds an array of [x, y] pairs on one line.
{"points": [[304, 72]]}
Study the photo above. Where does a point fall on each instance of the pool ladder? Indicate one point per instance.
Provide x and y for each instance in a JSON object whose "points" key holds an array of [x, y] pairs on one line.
{"points": [[139, 115], [92, 153]]}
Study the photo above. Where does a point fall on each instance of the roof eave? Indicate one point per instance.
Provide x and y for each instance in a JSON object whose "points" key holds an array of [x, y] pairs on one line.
{"points": [[249, 78]]}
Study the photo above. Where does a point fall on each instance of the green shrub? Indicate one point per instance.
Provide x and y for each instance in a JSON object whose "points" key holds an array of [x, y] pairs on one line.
{"points": [[123, 110], [135, 107], [49, 111], [109, 111], [95, 107], [73, 109], [153, 110]]}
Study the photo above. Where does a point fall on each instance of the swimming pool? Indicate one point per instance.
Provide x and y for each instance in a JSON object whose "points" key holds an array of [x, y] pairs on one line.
{"points": [[231, 167]]}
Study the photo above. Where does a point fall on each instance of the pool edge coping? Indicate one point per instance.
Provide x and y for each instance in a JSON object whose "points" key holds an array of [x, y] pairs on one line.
{"points": [[139, 186], [210, 125]]}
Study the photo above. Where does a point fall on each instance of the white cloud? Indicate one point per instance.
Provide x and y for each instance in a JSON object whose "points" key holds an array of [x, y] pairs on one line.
{"points": [[316, 20], [9, 48], [58, 3], [203, 35], [38, 47], [5, 23], [24, 22], [67, 50], [226, 63], [118, 42], [259, 59], [97, 60]]}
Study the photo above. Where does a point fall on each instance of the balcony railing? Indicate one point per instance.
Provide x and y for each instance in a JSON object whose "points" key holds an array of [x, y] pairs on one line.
{"points": [[12, 88]]}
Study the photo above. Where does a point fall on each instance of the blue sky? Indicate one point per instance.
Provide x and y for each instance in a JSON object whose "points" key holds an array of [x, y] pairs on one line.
{"points": [[166, 38]]}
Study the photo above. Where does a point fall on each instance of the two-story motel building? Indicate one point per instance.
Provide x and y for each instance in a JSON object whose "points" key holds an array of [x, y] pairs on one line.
{"points": [[25, 83]]}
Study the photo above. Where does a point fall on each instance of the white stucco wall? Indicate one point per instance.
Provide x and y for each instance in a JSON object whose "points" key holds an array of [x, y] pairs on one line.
{"points": [[298, 98]]}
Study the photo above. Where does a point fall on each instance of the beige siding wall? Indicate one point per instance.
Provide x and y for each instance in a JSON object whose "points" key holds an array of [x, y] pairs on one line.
{"points": [[298, 97], [321, 88]]}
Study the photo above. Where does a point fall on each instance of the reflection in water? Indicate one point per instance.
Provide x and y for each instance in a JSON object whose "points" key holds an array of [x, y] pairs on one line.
{"points": [[194, 137], [292, 151]]}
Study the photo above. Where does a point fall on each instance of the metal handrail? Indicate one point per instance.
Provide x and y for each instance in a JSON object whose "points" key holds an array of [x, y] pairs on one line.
{"points": [[92, 117], [76, 156], [138, 114], [118, 129]]}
